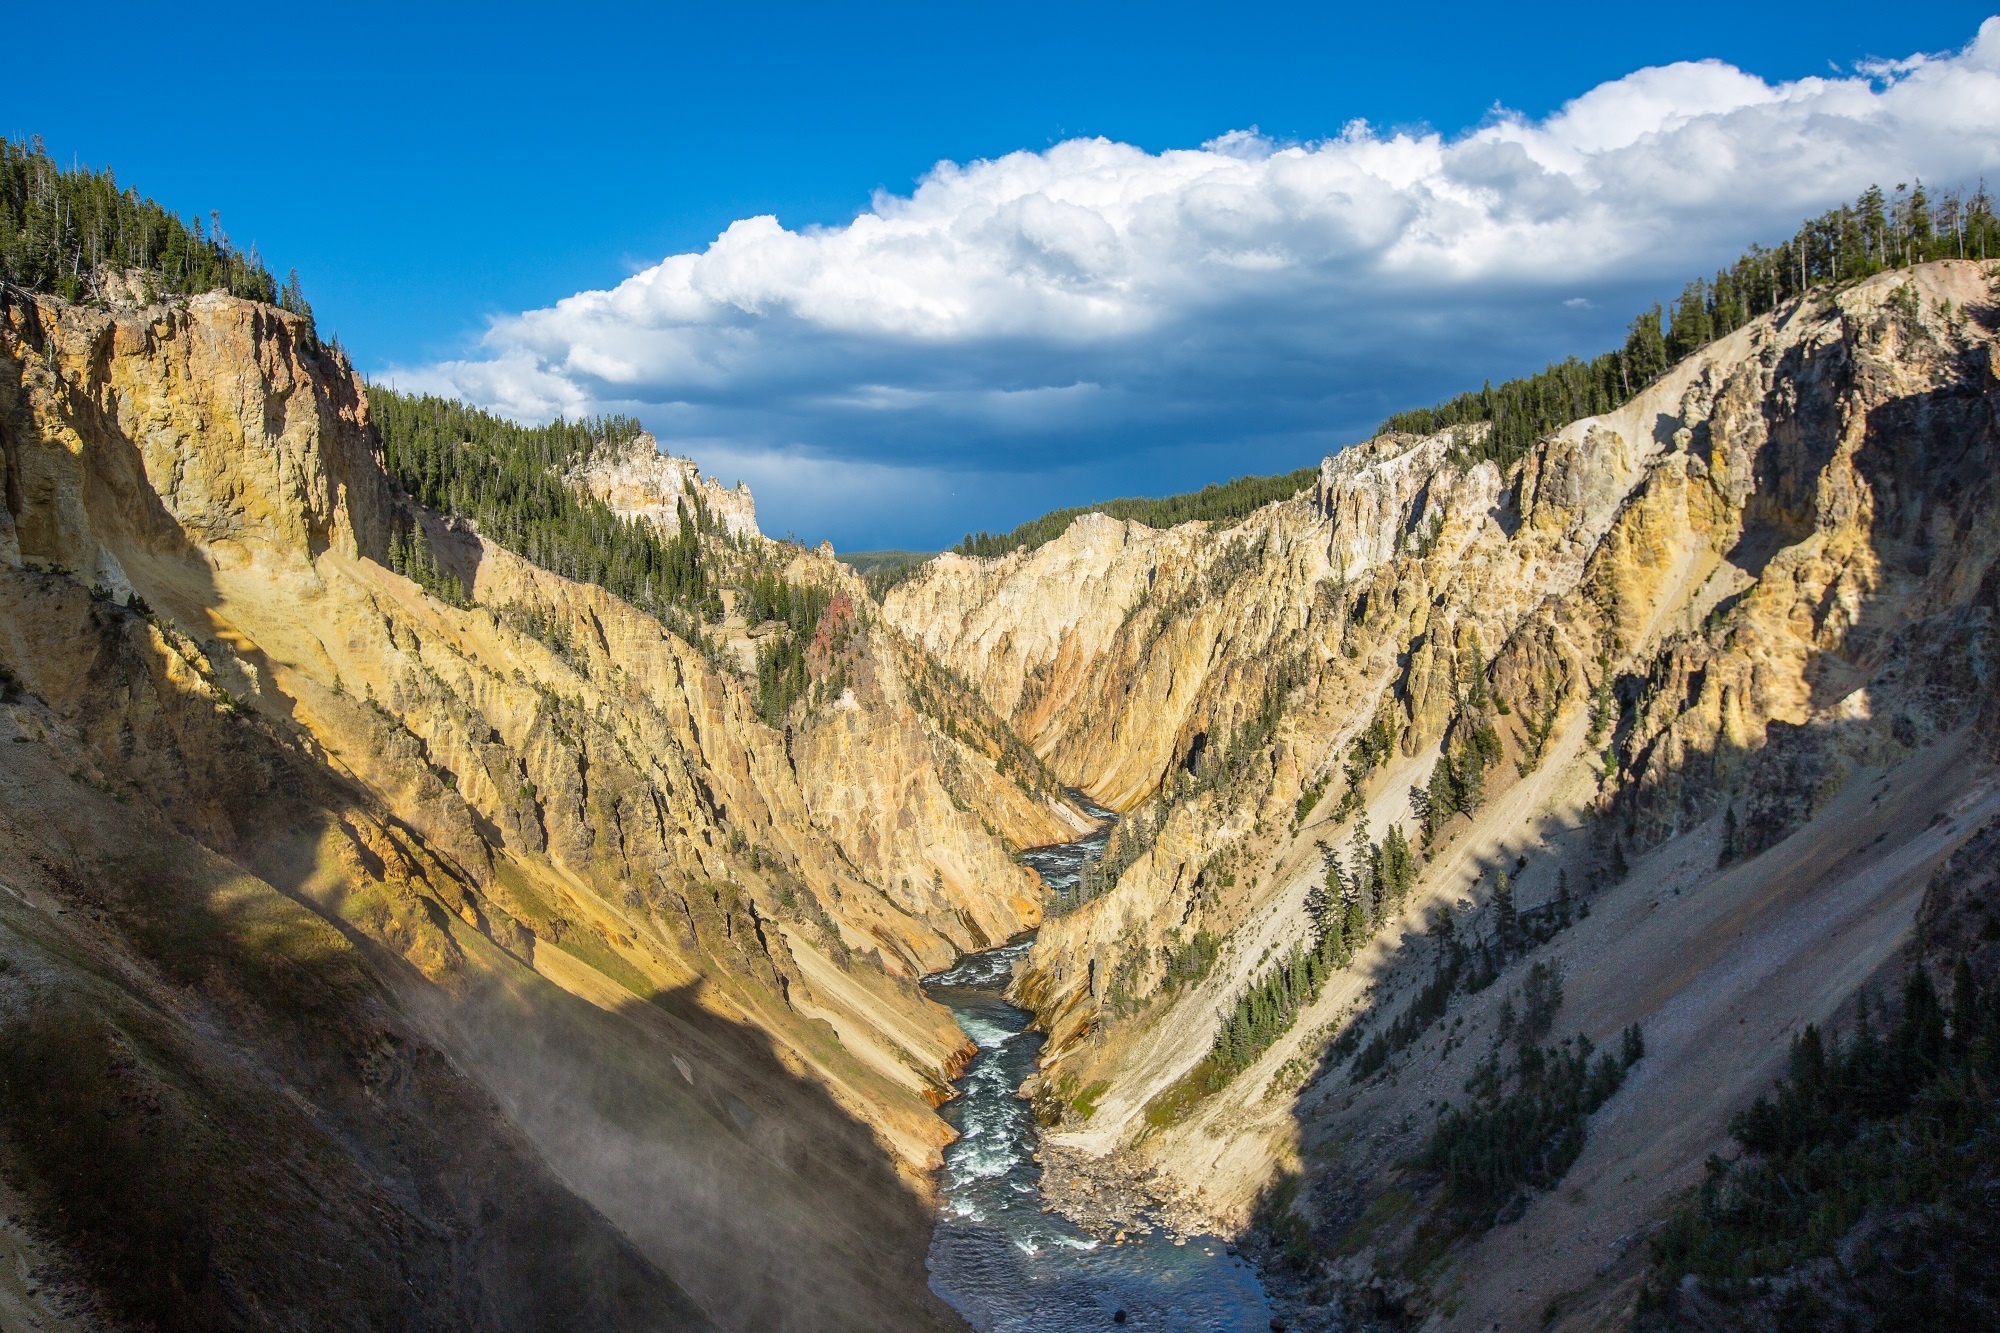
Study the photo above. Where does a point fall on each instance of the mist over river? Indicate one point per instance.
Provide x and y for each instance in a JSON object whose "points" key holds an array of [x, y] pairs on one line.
{"points": [[996, 1256]]}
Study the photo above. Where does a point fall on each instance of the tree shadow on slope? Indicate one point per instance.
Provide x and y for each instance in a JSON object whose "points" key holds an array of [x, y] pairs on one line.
{"points": [[1502, 1083], [1413, 1190]]}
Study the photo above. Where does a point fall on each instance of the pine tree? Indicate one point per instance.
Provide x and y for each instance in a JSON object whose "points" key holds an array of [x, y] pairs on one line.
{"points": [[458, 460], [1442, 800], [1645, 350], [1354, 927], [293, 297], [1323, 902], [1471, 775], [1964, 1006], [1472, 673], [1632, 1046], [1693, 326], [1365, 857], [1399, 865], [1505, 921]]}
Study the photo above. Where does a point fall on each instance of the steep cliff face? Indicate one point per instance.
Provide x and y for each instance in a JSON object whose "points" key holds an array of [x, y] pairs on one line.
{"points": [[637, 480], [907, 772], [1121, 653], [1746, 618], [666, 946]]}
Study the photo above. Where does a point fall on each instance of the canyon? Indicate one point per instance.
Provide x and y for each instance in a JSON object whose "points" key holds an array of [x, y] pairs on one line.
{"points": [[1730, 651], [331, 857], [510, 960]]}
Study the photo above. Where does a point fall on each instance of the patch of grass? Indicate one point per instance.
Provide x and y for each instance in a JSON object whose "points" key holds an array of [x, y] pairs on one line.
{"points": [[1178, 1100], [584, 945], [1085, 1102]]}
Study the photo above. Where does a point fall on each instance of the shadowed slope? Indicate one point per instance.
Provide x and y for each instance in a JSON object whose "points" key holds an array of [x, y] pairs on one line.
{"points": [[587, 889]]}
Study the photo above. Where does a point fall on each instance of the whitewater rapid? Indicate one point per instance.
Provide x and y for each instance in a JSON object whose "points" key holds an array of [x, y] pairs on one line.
{"points": [[996, 1256]]}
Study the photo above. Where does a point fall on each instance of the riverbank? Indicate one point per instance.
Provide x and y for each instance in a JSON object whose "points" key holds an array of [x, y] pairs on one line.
{"points": [[1115, 1195], [1034, 1238]]}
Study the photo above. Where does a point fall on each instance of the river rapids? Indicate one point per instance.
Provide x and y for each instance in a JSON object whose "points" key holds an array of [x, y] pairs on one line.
{"points": [[996, 1256]]}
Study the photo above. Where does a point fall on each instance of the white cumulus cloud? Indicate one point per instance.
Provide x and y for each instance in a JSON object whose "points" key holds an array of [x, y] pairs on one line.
{"points": [[1244, 304]]}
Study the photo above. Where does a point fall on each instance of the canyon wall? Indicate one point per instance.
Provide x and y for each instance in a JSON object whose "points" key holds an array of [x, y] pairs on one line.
{"points": [[554, 976], [662, 951], [1718, 669]]}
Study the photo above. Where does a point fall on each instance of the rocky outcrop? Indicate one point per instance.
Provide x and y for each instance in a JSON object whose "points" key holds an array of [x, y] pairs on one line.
{"points": [[638, 480]]}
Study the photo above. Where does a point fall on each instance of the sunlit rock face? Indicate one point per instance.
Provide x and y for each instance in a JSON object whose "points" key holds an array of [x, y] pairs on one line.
{"points": [[1694, 619], [637, 479]]}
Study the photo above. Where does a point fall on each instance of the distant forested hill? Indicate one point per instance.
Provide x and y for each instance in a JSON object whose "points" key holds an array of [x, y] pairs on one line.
{"points": [[1220, 502]]}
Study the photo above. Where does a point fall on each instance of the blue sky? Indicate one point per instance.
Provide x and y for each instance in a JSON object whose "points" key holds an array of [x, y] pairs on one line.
{"points": [[1077, 320]]}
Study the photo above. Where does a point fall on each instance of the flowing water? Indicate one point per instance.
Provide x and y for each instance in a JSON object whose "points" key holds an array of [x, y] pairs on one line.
{"points": [[1001, 1261]]}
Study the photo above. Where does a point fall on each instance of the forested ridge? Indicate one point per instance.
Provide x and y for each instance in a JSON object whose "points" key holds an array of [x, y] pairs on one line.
{"points": [[514, 483], [1878, 231], [509, 480], [1218, 502], [57, 226]]}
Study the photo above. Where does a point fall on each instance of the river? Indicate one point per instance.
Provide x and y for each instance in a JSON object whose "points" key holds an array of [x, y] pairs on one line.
{"points": [[996, 1256]]}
